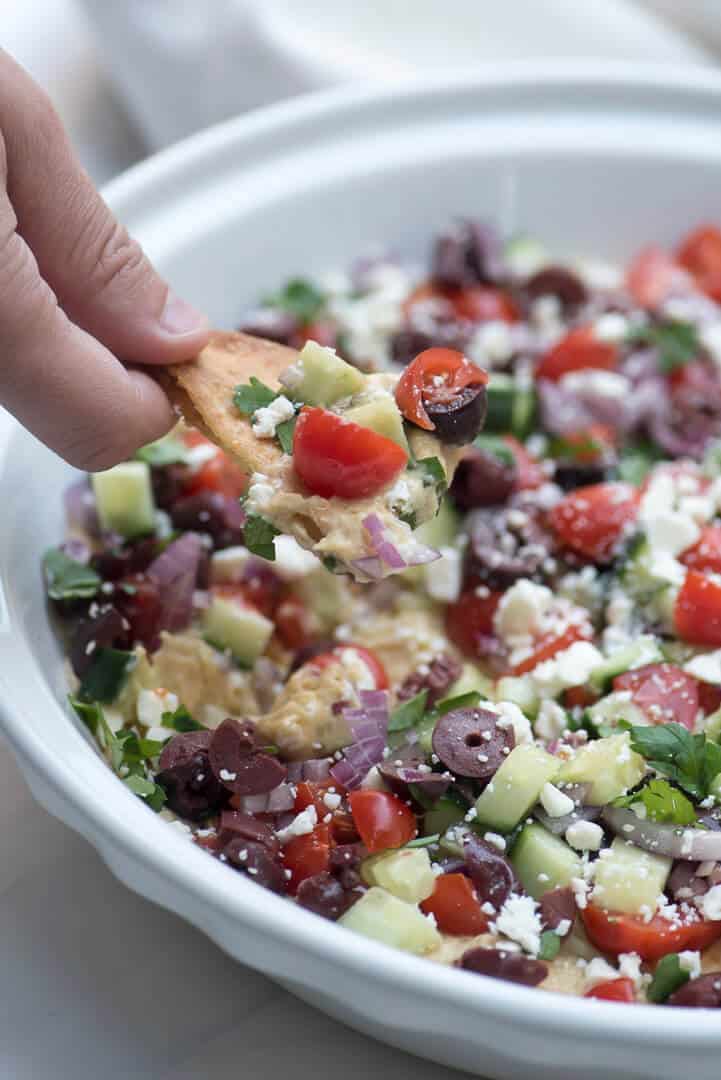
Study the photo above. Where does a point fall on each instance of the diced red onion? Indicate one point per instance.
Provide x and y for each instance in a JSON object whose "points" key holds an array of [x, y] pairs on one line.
{"points": [[371, 566], [374, 699], [422, 554], [280, 800], [368, 726], [80, 508], [316, 769], [386, 552], [695, 845], [175, 571]]}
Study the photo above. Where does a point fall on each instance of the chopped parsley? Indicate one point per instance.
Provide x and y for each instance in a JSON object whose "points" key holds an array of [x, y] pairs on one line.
{"points": [[147, 790], [166, 451], [68, 579], [434, 474], [423, 841], [252, 396], [258, 535], [284, 433], [676, 341], [663, 803], [692, 761], [497, 447], [409, 713], [180, 720], [550, 944], [668, 977], [299, 298], [105, 677]]}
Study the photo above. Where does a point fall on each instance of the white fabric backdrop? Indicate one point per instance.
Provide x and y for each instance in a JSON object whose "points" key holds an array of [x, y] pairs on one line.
{"points": [[93, 980]]}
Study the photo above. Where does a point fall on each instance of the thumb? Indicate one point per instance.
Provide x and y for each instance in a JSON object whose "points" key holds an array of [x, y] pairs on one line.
{"points": [[103, 280]]}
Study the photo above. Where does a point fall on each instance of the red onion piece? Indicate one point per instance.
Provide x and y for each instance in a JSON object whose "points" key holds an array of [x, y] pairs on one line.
{"points": [[277, 801], [80, 508], [368, 726], [385, 551], [175, 572], [371, 566], [694, 845]]}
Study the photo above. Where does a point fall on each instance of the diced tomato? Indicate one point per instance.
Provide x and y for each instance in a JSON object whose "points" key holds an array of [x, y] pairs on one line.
{"points": [[613, 932], [324, 332], [335, 457], [435, 375], [709, 697], [579, 697], [590, 444], [551, 644], [697, 614], [592, 520], [479, 303], [651, 276], [579, 349], [342, 827], [700, 254], [705, 554], [219, 474], [307, 855], [469, 619], [529, 472], [376, 671], [455, 906], [138, 600], [613, 990], [382, 820], [663, 692], [294, 623]]}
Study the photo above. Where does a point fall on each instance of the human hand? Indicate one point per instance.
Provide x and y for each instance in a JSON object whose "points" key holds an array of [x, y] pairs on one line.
{"points": [[77, 297]]}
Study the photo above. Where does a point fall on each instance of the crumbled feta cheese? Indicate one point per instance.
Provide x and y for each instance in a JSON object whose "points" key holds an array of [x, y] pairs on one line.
{"points": [[599, 970], [511, 716], [228, 565], [151, 704], [519, 920], [672, 532], [691, 962], [580, 889], [572, 667], [556, 803], [496, 840], [629, 967], [584, 835], [705, 666], [227, 776], [301, 825], [491, 344], [551, 720], [710, 903], [261, 492], [599, 383], [611, 328], [599, 274], [443, 577], [522, 610], [293, 562], [268, 417], [662, 565]]}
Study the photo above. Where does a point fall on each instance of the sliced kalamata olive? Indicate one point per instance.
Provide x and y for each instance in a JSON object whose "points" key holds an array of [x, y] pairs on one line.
{"points": [[345, 860], [138, 599], [505, 545], [407, 767], [470, 254], [235, 823], [238, 765], [490, 871], [460, 419], [169, 483], [120, 558], [436, 678], [426, 331], [469, 742], [185, 775], [220, 516], [558, 281], [558, 906], [573, 474], [256, 861], [701, 993], [182, 747], [482, 479], [104, 628], [324, 895], [500, 964]]}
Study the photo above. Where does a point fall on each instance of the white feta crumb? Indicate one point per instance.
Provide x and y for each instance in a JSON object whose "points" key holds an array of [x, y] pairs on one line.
{"points": [[551, 720], [301, 825], [690, 961], [268, 417], [522, 610], [151, 704], [228, 565], [443, 577], [332, 800], [580, 889], [584, 835], [227, 776], [629, 967], [672, 532], [611, 328], [563, 927], [599, 970], [599, 383], [293, 562], [496, 840], [705, 666], [556, 803], [710, 903], [511, 716], [520, 921]]}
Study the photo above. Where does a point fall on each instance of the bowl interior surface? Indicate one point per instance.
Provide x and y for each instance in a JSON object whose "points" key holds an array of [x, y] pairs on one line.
{"points": [[597, 166]]}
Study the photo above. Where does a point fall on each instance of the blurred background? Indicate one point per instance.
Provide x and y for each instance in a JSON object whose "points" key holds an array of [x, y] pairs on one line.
{"points": [[129, 77]]}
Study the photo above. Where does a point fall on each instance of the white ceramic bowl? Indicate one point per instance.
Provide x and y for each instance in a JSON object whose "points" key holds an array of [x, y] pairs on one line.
{"points": [[590, 161]]}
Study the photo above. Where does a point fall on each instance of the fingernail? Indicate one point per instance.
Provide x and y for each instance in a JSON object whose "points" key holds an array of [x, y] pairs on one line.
{"points": [[180, 317]]}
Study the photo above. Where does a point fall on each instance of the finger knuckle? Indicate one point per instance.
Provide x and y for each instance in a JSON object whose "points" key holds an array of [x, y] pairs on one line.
{"points": [[116, 259], [26, 301]]}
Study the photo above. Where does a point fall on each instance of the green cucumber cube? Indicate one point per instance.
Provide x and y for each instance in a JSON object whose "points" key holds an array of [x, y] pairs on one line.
{"points": [[608, 765], [515, 787], [544, 861], [384, 917], [323, 377], [520, 691], [380, 414], [442, 816], [124, 499], [644, 651], [407, 873], [630, 880], [232, 625]]}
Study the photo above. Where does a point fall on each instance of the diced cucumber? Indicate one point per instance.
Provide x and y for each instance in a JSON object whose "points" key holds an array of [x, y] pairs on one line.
{"points": [[515, 787], [326, 595], [712, 729], [424, 731], [124, 499], [652, 579], [714, 788], [511, 406], [229, 624], [442, 816], [471, 679], [519, 690], [407, 873], [381, 415], [630, 880], [609, 766], [643, 651], [324, 377], [543, 861], [524, 411], [614, 707], [384, 917], [441, 530]]}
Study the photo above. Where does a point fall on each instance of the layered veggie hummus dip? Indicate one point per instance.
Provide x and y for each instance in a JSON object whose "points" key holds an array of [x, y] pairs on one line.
{"points": [[448, 670]]}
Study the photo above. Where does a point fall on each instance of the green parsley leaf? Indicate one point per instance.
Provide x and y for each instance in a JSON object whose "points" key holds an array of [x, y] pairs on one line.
{"points": [[667, 978], [253, 395], [299, 298], [636, 462], [165, 451], [423, 841], [259, 535], [90, 712], [676, 341], [434, 474], [106, 676], [151, 748], [550, 944], [460, 701], [692, 761], [584, 448], [284, 433], [408, 713], [663, 802], [68, 579], [180, 720], [497, 446], [147, 790]]}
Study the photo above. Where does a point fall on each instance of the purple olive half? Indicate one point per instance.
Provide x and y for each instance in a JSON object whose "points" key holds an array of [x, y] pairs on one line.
{"points": [[469, 742], [460, 419], [500, 964]]}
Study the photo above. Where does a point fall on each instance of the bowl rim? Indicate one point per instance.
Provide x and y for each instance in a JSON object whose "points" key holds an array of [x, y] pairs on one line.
{"points": [[236, 897]]}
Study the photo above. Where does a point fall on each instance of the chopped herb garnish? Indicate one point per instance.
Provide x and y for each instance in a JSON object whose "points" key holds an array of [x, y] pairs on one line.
{"points": [[299, 298], [667, 978], [692, 761], [105, 677], [252, 396], [423, 841], [165, 451], [68, 579], [90, 712], [409, 713], [180, 720], [663, 803], [434, 474], [550, 944], [258, 535], [151, 748], [585, 448], [675, 340], [460, 701], [497, 446], [147, 790], [284, 433], [636, 463]]}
